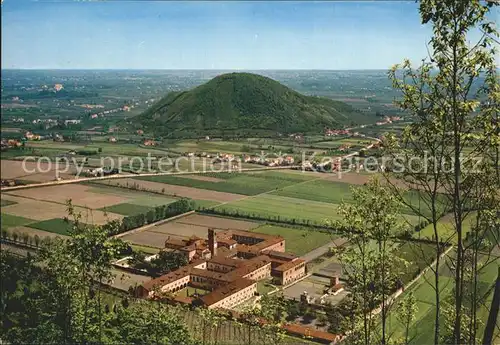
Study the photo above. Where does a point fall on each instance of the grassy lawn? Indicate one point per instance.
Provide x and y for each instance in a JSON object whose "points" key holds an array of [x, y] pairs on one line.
{"points": [[264, 287], [55, 225], [297, 241], [127, 209], [282, 208], [9, 221], [4, 202], [190, 291]]}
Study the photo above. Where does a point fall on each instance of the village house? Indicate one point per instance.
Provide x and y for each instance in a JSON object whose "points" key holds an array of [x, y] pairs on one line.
{"points": [[289, 160], [72, 122], [149, 142], [31, 136], [335, 132]]}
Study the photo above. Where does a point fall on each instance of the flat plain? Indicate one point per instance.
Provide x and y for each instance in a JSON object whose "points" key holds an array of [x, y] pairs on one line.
{"points": [[174, 190]]}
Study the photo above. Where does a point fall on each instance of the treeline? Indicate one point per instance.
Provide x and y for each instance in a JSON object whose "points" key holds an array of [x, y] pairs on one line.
{"points": [[180, 206]]}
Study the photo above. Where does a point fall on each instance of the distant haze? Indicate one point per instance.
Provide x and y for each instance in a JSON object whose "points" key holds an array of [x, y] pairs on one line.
{"points": [[210, 35]]}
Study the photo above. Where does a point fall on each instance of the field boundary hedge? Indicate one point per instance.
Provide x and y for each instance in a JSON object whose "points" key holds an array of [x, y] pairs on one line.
{"points": [[151, 225], [157, 214]]}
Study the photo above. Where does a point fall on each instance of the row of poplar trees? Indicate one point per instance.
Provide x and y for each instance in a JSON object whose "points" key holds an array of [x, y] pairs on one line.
{"points": [[449, 157]]}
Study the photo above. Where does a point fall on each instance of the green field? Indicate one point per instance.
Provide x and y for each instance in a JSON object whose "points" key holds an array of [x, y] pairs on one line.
{"points": [[9, 221], [417, 255], [264, 287], [245, 184], [203, 204], [127, 209], [136, 197], [422, 329], [319, 190], [55, 225], [336, 192], [4, 202], [283, 208], [298, 241], [107, 148], [445, 228]]}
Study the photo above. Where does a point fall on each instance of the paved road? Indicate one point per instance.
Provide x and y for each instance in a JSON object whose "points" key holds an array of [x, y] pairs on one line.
{"points": [[316, 253]]}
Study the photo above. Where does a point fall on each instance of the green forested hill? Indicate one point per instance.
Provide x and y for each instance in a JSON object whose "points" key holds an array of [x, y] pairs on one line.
{"points": [[245, 103]]}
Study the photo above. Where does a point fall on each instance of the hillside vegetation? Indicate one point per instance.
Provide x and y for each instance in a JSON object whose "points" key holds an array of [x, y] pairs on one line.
{"points": [[244, 103]]}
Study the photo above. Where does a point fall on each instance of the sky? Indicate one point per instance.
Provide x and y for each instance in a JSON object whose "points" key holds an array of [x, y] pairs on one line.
{"points": [[142, 34]]}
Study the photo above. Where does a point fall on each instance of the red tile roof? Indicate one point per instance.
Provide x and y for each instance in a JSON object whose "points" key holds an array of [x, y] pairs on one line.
{"points": [[289, 265], [226, 291]]}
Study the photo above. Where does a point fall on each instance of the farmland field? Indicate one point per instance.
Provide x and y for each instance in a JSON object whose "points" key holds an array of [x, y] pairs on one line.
{"points": [[13, 169], [336, 192], [297, 241], [107, 148], [185, 227], [134, 196], [445, 228], [80, 195], [127, 209], [174, 190], [44, 210], [5, 202], [202, 204], [34, 232], [421, 330], [238, 183], [9, 221], [147, 239], [275, 206], [217, 222], [56, 225], [318, 190]]}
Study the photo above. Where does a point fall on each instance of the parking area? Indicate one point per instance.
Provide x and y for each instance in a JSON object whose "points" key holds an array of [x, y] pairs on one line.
{"points": [[315, 287]]}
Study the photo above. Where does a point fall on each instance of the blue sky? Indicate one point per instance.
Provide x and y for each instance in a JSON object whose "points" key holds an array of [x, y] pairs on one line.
{"points": [[210, 35]]}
